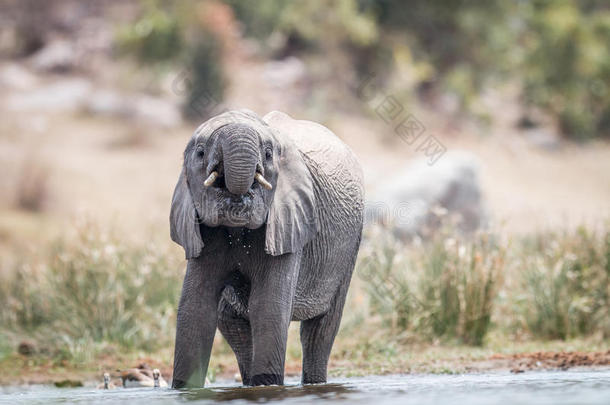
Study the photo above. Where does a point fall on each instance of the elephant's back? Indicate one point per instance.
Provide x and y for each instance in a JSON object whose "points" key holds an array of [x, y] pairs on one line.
{"points": [[323, 149]]}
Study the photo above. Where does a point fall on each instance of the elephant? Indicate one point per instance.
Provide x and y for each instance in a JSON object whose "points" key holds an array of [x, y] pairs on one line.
{"points": [[269, 212]]}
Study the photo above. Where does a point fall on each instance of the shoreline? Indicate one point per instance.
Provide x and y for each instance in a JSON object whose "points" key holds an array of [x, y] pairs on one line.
{"points": [[28, 374]]}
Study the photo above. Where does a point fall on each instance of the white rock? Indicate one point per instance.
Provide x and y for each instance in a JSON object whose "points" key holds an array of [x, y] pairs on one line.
{"points": [[410, 200], [67, 95], [16, 77], [284, 73], [57, 56], [543, 138], [152, 111], [157, 111], [108, 103]]}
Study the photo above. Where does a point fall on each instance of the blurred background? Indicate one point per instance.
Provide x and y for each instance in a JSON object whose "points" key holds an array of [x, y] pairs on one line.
{"points": [[483, 129]]}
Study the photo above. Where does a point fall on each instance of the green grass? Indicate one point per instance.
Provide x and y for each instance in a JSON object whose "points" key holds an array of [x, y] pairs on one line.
{"points": [[91, 294], [566, 285], [455, 289], [442, 289]]}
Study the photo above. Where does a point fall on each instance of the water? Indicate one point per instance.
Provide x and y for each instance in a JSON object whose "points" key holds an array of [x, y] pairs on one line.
{"points": [[553, 387]]}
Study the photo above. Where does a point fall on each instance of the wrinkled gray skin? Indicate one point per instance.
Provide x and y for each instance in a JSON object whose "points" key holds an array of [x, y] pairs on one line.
{"points": [[258, 258]]}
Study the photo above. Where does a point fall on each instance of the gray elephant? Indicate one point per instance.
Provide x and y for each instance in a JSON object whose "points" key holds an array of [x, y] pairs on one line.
{"points": [[269, 212]]}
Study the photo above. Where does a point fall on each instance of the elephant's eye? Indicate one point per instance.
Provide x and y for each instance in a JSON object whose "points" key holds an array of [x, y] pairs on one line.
{"points": [[268, 153], [199, 150]]}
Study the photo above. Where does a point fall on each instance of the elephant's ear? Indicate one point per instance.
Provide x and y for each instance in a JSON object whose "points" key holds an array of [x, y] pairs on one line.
{"points": [[292, 220], [184, 222]]}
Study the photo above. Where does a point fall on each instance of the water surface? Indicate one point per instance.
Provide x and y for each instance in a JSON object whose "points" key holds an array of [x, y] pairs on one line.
{"points": [[552, 387]]}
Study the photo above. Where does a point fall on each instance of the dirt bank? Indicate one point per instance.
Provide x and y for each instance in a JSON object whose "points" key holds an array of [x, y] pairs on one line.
{"points": [[520, 363], [28, 371]]}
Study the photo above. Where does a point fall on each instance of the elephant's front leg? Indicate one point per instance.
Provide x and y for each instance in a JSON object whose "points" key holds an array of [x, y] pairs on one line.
{"points": [[196, 325], [270, 310]]}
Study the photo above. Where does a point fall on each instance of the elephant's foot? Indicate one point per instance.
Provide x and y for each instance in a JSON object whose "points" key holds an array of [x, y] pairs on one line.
{"points": [[309, 378], [267, 379], [178, 384]]}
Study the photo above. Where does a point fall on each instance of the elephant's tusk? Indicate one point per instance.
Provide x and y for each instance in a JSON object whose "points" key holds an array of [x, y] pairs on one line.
{"points": [[211, 179], [259, 177]]}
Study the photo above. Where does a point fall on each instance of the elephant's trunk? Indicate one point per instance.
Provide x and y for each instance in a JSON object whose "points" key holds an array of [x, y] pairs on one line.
{"points": [[240, 152]]}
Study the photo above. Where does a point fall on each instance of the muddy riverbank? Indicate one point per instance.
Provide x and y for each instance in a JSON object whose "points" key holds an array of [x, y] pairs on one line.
{"points": [[27, 371]]}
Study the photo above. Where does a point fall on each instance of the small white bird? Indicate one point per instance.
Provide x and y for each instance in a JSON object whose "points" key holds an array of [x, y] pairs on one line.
{"points": [[159, 381], [107, 384]]}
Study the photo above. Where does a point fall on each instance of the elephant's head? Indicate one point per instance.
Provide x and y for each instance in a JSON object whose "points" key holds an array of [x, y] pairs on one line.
{"points": [[240, 172]]}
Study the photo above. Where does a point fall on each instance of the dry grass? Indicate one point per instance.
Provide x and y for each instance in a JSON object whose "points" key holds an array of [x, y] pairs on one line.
{"points": [[83, 295], [454, 288], [32, 189], [444, 288], [566, 284]]}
